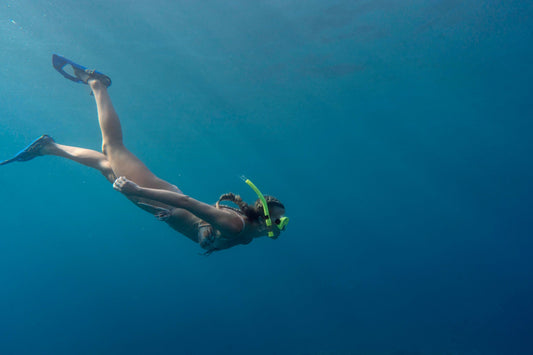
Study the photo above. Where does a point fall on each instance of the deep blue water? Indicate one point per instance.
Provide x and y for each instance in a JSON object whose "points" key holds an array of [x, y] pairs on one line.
{"points": [[397, 133]]}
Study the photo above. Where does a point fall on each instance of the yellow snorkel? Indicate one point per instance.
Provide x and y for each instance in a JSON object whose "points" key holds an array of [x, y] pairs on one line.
{"points": [[283, 221]]}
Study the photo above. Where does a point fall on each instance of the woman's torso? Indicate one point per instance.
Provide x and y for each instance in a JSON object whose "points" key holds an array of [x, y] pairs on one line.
{"points": [[205, 234]]}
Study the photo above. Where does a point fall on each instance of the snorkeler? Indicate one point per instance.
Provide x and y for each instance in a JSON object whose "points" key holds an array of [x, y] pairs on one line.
{"points": [[215, 227]]}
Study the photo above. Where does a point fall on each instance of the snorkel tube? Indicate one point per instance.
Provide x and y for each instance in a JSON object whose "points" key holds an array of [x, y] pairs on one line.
{"points": [[268, 220], [265, 207]]}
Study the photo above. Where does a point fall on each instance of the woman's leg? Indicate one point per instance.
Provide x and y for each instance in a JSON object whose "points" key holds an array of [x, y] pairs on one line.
{"points": [[122, 161], [87, 157]]}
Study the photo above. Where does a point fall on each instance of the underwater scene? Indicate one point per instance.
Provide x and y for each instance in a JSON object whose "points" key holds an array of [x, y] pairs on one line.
{"points": [[396, 137]]}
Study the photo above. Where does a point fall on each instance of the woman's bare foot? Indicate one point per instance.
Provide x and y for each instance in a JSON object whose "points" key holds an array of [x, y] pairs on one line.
{"points": [[49, 148], [96, 84]]}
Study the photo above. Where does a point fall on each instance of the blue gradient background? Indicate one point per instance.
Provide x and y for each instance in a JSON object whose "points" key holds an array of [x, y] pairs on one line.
{"points": [[397, 133]]}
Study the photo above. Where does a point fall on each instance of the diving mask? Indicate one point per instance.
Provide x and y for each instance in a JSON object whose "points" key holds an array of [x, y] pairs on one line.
{"points": [[281, 223]]}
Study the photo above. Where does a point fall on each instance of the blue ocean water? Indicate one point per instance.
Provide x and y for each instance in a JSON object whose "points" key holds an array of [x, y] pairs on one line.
{"points": [[397, 133]]}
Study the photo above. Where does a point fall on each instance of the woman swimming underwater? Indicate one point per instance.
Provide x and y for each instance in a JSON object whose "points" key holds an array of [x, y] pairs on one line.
{"points": [[214, 227]]}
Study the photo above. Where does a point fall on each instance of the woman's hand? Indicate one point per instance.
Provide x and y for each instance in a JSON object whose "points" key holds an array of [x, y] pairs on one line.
{"points": [[126, 186]]}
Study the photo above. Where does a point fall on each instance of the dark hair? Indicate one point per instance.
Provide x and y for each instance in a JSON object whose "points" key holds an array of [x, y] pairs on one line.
{"points": [[253, 212]]}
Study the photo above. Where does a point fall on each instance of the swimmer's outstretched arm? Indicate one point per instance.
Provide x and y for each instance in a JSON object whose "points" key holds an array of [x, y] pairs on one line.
{"points": [[228, 223]]}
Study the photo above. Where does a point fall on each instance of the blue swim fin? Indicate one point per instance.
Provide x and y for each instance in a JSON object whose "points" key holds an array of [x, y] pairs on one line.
{"points": [[31, 151], [80, 74]]}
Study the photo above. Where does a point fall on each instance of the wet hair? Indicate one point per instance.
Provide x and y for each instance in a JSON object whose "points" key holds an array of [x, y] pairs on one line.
{"points": [[252, 212]]}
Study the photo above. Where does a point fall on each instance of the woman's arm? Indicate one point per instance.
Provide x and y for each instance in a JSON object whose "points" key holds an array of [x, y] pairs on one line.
{"points": [[228, 223]]}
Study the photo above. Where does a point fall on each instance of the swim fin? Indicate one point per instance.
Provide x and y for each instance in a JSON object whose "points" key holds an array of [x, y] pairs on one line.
{"points": [[33, 150], [80, 74]]}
